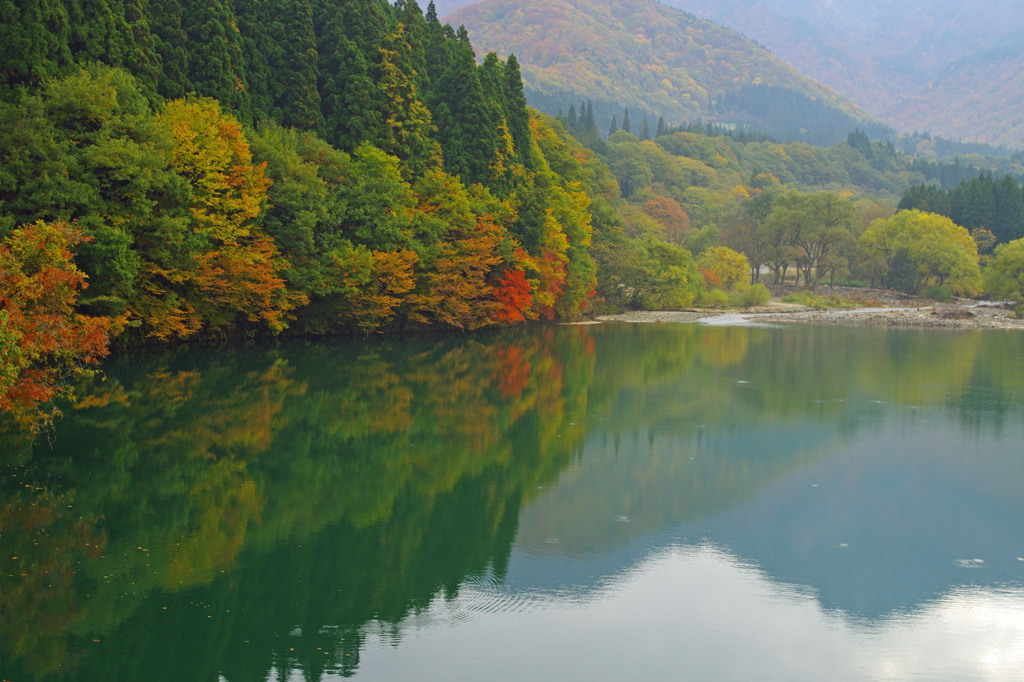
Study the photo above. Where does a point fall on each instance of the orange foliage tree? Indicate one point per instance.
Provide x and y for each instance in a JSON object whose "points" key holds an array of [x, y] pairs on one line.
{"points": [[374, 287], [457, 290], [670, 215], [210, 265], [44, 343]]}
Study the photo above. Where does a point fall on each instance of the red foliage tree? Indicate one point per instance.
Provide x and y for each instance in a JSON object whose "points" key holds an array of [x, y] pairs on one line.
{"points": [[44, 342], [512, 291]]}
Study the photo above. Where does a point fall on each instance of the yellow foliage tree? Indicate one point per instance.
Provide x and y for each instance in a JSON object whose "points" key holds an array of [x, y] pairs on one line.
{"points": [[724, 268], [210, 265], [917, 249]]}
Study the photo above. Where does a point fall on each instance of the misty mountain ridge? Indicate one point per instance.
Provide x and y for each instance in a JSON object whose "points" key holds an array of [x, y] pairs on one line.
{"points": [[951, 67], [657, 61], [947, 67]]}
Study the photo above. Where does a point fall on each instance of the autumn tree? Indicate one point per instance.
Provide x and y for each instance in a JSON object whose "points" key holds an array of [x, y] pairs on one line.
{"points": [[1004, 274], [917, 250], [809, 230], [458, 292], [408, 129], [670, 214], [44, 342], [210, 265], [724, 268]]}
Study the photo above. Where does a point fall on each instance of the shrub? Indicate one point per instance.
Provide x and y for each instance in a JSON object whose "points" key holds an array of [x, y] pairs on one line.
{"points": [[756, 295], [716, 298], [942, 294]]}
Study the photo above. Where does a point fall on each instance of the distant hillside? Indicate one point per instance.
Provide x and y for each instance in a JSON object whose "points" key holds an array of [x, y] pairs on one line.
{"points": [[948, 66], [656, 61]]}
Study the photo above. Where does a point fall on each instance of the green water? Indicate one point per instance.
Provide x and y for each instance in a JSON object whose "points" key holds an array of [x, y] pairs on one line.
{"points": [[654, 502]]}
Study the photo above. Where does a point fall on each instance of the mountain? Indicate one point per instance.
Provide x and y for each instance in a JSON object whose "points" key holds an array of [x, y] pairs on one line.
{"points": [[657, 61], [948, 66]]}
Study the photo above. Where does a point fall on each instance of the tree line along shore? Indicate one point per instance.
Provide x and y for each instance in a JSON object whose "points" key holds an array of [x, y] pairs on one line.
{"points": [[192, 170]]}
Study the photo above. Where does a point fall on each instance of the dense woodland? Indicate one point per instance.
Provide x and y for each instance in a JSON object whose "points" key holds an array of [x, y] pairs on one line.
{"points": [[193, 169], [179, 170]]}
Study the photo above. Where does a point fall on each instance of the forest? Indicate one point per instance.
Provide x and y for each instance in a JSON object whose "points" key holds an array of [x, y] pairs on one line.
{"points": [[181, 170]]}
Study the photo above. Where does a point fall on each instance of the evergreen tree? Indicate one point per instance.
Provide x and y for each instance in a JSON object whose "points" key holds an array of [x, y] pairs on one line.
{"points": [[140, 53], [260, 25], [216, 63], [625, 121], [614, 127], [293, 65], [516, 114], [407, 130], [409, 14], [465, 127], [661, 129], [572, 120], [645, 129], [437, 57], [171, 42], [33, 42], [1008, 224], [350, 100]]}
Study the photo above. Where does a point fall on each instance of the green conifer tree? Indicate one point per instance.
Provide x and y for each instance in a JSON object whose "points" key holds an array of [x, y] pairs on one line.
{"points": [[33, 42], [409, 14], [348, 47], [645, 129], [281, 60], [437, 49], [216, 63], [171, 41], [572, 119], [467, 137], [516, 114]]}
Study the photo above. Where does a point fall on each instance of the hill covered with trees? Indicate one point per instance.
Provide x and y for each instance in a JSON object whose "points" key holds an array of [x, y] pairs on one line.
{"points": [[947, 66], [187, 169], [191, 170], [657, 61]]}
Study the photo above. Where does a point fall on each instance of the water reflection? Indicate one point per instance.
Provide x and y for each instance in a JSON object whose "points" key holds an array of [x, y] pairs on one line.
{"points": [[325, 507], [702, 613]]}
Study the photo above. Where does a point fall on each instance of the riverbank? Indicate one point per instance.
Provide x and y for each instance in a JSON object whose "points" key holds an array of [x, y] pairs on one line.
{"points": [[894, 311]]}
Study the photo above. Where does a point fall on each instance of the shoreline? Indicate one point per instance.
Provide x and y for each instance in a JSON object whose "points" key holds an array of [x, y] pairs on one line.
{"points": [[961, 315]]}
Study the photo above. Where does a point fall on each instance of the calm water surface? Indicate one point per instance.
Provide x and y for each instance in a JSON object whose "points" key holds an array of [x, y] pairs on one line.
{"points": [[612, 502]]}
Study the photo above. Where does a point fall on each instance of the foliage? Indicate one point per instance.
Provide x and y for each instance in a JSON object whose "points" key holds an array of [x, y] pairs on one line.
{"points": [[213, 265], [724, 268], [44, 344], [942, 294], [671, 215], [1004, 274], [753, 296], [663, 277], [913, 250], [648, 57], [437, 198], [981, 203]]}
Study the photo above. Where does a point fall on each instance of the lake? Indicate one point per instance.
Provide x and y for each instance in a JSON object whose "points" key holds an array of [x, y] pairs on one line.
{"points": [[610, 502]]}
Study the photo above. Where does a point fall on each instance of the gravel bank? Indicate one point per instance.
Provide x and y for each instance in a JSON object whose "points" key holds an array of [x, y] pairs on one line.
{"points": [[959, 315]]}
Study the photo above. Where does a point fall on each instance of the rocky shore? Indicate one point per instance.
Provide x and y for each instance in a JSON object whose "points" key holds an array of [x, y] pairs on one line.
{"points": [[888, 309]]}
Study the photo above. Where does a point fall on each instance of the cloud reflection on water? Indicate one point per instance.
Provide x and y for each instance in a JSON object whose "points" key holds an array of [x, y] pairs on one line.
{"points": [[700, 613]]}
